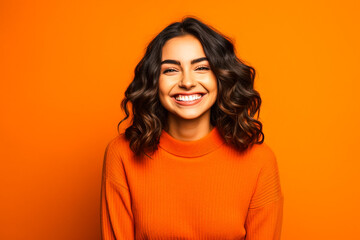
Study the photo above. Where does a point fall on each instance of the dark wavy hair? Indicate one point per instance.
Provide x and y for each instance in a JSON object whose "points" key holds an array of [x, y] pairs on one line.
{"points": [[237, 101]]}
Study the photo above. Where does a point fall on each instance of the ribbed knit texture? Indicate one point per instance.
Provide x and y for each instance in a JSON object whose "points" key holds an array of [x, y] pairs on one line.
{"points": [[202, 189]]}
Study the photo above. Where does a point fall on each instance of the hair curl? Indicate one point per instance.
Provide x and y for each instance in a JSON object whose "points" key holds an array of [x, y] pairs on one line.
{"points": [[237, 101]]}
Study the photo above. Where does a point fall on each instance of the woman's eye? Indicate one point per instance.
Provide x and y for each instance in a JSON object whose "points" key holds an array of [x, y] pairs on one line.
{"points": [[202, 68], [169, 70]]}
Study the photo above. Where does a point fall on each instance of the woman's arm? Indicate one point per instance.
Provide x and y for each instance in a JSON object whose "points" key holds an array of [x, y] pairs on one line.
{"points": [[265, 214], [116, 215]]}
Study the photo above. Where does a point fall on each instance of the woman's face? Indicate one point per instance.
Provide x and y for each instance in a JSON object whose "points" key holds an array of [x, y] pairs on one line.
{"points": [[187, 86]]}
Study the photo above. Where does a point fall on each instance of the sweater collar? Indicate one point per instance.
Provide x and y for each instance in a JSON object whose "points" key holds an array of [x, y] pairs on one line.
{"points": [[196, 148]]}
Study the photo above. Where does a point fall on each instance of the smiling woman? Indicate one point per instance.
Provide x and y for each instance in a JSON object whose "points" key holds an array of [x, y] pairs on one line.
{"points": [[193, 163], [187, 87]]}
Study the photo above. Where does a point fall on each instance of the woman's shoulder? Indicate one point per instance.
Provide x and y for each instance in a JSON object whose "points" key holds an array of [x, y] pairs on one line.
{"points": [[118, 141], [118, 144], [263, 149], [262, 154]]}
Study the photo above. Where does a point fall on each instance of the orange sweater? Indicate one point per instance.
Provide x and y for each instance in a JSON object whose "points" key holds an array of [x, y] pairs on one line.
{"points": [[202, 189]]}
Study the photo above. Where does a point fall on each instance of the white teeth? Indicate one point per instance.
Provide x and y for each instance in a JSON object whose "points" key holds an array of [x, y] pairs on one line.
{"points": [[188, 98]]}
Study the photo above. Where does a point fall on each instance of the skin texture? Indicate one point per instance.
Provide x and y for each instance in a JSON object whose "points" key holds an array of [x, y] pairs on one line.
{"points": [[186, 123]]}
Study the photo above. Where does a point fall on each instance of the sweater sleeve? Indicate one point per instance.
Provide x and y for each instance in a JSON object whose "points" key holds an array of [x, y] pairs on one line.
{"points": [[265, 214], [116, 214]]}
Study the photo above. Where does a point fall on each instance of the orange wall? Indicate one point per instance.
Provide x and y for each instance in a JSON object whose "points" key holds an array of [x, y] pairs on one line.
{"points": [[64, 66]]}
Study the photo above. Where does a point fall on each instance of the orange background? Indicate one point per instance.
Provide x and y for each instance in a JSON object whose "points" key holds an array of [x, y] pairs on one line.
{"points": [[64, 66]]}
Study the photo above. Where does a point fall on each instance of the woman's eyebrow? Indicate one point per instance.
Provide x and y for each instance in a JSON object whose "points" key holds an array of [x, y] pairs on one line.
{"points": [[171, 62], [178, 63], [199, 60]]}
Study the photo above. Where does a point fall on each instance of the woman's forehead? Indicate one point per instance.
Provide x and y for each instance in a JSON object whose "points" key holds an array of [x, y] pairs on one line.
{"points": [[183, 49]]}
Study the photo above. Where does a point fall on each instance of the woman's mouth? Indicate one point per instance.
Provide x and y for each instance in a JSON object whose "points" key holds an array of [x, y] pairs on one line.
{"points": [[188, 100]]}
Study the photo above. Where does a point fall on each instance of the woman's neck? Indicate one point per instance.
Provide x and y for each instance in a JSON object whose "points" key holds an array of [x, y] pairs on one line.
{"points": [[188, 130]]}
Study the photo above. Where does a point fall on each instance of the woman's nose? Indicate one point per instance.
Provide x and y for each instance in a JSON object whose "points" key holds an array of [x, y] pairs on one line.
{"points": [[187, 81]]}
